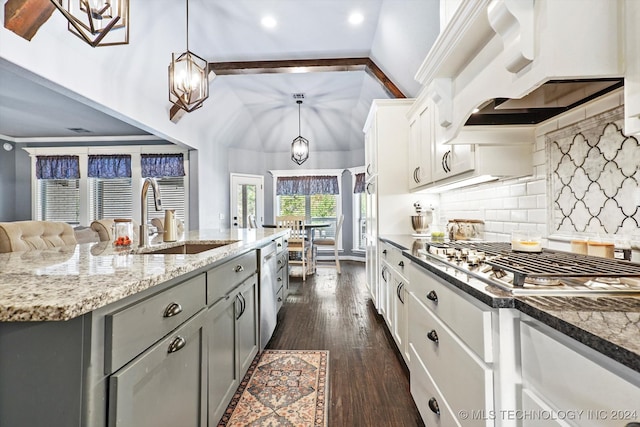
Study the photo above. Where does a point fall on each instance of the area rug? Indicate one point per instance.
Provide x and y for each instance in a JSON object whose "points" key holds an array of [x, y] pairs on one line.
{"points": [[282, 388]]}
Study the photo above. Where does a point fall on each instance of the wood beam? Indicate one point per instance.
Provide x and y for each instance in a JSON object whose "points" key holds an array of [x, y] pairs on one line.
{"points": [[25, 17], [307, 66]]}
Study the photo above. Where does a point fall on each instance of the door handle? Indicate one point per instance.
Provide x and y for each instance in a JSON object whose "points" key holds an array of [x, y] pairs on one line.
{"points": [[399, 291]]}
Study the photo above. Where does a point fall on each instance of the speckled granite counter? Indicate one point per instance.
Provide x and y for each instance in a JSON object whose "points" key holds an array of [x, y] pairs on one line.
{"points": [[63, 283], [610, 325]]}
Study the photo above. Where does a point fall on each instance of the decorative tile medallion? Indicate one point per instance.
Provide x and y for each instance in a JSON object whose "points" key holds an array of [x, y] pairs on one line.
{"points": [[282, 388], [594, 177]]}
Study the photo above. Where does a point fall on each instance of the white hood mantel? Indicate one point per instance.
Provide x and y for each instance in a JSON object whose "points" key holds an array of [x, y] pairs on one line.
{"points": [[507, 48]]}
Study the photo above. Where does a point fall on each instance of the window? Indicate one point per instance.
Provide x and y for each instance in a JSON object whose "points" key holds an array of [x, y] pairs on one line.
{"points": [[58, 200], [110, 198], [317, 197], [359, 209]]}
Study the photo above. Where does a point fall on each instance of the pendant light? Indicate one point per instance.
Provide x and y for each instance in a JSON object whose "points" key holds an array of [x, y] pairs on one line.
{"points": [[188, 82], [97, 22], [300, 145]]}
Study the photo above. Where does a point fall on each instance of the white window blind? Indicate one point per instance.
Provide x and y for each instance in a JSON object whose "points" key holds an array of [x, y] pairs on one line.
{"points": [[58, 200], [318, 208], [110, 198], [173, 197]]}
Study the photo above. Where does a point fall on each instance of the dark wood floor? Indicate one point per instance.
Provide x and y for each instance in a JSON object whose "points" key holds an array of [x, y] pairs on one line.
{"points": [[369, 385]]}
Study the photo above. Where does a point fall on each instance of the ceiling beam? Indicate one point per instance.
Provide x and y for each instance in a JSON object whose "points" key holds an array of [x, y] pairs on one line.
{"points": [[307, 66], [25, 17], [297, 66]]}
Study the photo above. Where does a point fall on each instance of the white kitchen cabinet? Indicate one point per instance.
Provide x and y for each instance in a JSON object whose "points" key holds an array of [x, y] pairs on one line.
{"points": [[450, 334], [389, 203], [393, 284], [420, 146], [603, 392]]}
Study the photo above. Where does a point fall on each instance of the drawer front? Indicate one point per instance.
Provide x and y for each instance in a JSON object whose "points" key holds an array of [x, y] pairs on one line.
{"points": [[223, 278], [280, 244], [427, 396], [397, 261], [133, 329], [468, 318], [549, 364], [533, 404], [464, 380], [148, 391]]}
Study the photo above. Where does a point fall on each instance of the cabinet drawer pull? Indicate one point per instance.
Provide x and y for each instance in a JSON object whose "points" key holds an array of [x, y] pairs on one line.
{"points": [[279, 299], [384, 252], [432, 296], [238, 269], [279, 245], [279, 279], [401, 264], [172, 309], [433, 335], [176, 344], [433, 405], [634, 424]]}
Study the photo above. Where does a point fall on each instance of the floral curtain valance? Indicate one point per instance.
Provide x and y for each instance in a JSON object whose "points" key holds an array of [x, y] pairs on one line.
{"points": [[359, 185], [306, 185], [57, 167], [109, 166], [162, 165]]}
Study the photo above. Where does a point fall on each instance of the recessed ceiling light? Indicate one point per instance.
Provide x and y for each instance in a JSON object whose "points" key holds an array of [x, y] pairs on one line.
{"points": [[356, 18], [269, 22]]}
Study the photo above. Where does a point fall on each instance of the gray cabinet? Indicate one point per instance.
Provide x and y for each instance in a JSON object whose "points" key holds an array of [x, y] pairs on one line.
{"points": [[165, 385], [234, 338]]}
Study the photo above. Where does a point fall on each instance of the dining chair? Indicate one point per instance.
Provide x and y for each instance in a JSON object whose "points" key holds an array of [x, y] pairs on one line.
{"points": [[297, 240], [332, 242]]}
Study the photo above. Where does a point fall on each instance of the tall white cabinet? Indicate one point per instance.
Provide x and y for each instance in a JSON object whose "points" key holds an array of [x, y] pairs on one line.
{"points": [[389, 203]]}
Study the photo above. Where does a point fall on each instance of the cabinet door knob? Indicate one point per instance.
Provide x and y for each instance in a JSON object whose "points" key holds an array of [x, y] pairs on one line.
{"points": [[432, 296], [176, 344], [433, 335], [238, 268], [172, 309], [433, 405]]}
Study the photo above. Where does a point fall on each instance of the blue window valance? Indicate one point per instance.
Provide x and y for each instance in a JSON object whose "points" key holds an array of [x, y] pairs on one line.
{"points": [[109, 166], [162, 165], [57, 167], [306, 185], [359, 185]]}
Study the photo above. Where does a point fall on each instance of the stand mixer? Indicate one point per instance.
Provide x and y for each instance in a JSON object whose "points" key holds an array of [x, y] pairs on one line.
{"points": [[421, 220]]}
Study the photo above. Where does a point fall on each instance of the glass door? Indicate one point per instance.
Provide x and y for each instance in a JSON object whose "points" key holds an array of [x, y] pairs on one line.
{"points": [[247, 200]]}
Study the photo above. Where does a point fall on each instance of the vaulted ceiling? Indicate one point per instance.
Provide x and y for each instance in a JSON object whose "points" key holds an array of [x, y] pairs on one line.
{"points": [[395, 34]]}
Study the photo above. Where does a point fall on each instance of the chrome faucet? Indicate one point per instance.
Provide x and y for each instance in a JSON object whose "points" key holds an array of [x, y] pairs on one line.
{"points": [[144, 232]]}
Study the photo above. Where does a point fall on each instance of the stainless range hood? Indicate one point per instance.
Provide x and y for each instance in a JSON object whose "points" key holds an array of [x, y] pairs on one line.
{"points": [[548, 100]]}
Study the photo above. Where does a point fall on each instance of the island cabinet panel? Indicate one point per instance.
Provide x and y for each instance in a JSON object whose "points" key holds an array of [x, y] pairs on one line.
{"points": [[134, 328], [166, 384], [603, 393], [234, 339]]}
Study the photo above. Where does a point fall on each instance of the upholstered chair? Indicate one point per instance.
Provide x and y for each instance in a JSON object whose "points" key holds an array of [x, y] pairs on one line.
{"points": [[104, 227], [34, 235]]}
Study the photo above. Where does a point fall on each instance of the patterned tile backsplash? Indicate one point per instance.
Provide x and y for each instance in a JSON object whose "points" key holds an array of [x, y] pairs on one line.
{"points": [[594, 177]]}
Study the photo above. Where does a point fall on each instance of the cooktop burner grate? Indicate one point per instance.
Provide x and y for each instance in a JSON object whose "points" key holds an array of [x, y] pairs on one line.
{"points": [[547, 264]]}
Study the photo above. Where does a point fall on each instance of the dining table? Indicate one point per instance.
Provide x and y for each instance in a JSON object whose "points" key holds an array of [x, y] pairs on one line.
{"points": [[310, 228]]}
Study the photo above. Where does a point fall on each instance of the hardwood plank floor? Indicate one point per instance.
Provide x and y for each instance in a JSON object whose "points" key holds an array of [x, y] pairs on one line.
{"points": [[368, 382]]}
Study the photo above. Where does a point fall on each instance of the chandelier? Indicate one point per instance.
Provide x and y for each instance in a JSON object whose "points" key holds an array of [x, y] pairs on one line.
{"points": [[188, 81], [300, 145], [97, 22]]}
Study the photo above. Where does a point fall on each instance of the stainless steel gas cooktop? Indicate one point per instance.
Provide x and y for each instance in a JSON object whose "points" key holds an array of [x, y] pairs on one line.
{"points": [[546, 272]]}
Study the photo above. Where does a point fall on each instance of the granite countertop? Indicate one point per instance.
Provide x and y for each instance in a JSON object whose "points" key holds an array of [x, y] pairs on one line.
{"points": [[608, 324], [66, 282]]}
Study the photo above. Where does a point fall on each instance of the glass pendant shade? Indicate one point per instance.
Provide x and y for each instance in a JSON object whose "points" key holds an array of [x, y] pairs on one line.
{"points": [[97, 22], [188, 82], [299, 150]]}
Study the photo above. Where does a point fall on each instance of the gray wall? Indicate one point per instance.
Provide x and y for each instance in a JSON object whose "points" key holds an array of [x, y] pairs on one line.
{"points": [[15, 185]]}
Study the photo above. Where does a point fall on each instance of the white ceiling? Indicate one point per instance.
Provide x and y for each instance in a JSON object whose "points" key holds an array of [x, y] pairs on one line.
{"points": [[395, 34]]}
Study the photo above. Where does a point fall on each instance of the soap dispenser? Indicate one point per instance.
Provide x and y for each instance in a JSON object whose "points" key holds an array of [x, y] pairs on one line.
{"points": [[170, 233]]}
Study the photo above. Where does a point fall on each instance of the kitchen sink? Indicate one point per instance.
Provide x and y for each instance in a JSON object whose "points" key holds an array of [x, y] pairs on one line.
{"points": [[187, 248]]}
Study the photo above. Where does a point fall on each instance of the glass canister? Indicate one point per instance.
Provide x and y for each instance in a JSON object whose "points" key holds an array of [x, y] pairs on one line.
{"points": [[123, 232]]}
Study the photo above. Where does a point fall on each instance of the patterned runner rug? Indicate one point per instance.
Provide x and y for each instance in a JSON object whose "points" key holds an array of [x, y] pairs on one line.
{"points": [[282, 388]]}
